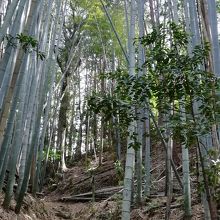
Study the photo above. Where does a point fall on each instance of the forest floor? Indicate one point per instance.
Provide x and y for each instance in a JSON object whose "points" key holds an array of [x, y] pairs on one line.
{"points": [[59, 201]]}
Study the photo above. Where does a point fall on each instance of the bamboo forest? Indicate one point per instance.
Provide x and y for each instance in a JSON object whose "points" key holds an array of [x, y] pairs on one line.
{"points": [[109, 109]]}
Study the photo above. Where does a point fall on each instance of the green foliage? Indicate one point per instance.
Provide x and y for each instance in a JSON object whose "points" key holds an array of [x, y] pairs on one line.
{"points": [[98, 28], [87, 163], [52, 155], [134, 143], [109, 106], [172, 72], [218, 6], [119, 171], [27, 43], [173, 76], [213, 173]]}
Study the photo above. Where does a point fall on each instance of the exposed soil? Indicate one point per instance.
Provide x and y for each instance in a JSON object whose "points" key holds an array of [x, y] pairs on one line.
{"points": [[78, 180], [32, 209]]}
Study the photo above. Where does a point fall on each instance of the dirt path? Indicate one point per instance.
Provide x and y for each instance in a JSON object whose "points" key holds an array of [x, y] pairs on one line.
{"points": [[66, 210], [77, 180], [104, 210]]}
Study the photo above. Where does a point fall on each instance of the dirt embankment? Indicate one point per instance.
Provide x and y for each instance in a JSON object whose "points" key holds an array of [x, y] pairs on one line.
{"points": [[78, 180]]}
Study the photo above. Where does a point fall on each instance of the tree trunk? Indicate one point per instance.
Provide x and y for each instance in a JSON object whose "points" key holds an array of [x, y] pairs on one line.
{"points": [[130, 155]]}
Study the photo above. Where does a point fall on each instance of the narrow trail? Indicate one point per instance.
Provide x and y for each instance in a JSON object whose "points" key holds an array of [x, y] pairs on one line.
{"points": [[77, 181], [67, 197], [62, 210]]}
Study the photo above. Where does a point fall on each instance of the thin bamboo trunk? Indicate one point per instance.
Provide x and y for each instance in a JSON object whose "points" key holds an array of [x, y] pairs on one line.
{"points": [[130, 155]]}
